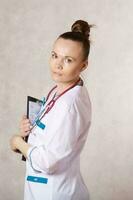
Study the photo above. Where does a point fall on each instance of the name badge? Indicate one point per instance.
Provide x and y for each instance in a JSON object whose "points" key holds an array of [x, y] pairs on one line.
{"points": [[37, 179], [40, 124]]}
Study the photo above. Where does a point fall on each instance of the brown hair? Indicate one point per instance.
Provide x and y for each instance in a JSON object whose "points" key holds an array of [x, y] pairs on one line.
{"points": [[80, 32]]}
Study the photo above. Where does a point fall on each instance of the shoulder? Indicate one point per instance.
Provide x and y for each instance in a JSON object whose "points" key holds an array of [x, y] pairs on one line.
{"points": [[77, 100]]}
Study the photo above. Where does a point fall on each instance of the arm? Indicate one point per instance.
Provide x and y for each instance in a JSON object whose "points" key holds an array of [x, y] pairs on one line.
{"points": [[17, 143], [68, 134]]}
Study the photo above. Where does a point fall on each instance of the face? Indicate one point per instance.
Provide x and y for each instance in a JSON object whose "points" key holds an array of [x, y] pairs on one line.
{"points": [[66, 61]]}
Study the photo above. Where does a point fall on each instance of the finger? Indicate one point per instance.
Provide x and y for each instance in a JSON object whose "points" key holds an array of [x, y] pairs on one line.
{"points": [[22, 126], [31, 127], [26, 123], [26, 128], [25, 120], [24, 117], [26, 133]]}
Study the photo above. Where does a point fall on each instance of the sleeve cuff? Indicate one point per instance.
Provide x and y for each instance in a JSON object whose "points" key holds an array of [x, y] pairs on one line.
{"points": [[29, 158], [29, 152]]}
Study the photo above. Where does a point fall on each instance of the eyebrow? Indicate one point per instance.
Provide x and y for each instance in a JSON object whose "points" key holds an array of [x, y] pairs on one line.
{"points": [[65, 56]]}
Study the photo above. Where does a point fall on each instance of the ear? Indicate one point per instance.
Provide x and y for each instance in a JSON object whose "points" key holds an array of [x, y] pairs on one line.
{"points": [[84, 66]]}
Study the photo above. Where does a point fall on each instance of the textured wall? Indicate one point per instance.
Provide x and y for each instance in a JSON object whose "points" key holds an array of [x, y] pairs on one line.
{"points": [[27, 32]]}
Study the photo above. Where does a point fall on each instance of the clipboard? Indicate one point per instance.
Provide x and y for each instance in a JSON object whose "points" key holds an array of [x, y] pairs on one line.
{"points": [[33, 108]]}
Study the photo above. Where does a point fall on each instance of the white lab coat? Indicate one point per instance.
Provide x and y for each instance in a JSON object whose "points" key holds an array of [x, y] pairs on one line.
{"points": [[55, 151]]}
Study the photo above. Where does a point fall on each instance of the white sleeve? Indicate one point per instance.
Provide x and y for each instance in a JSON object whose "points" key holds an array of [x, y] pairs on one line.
{"points": [[69, 135]]}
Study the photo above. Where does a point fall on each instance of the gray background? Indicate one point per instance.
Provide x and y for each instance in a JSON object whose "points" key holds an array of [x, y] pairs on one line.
{"points": [[27, 32]]}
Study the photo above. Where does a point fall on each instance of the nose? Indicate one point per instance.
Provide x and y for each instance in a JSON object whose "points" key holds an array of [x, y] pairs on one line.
{"points": [[59, 64]]}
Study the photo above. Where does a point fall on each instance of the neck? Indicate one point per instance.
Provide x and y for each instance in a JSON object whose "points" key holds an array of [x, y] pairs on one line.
{"points": [[63, 86]]}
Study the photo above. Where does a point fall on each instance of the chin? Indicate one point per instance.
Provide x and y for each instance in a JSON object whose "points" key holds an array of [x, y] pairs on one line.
{"points": [[56, 79]]}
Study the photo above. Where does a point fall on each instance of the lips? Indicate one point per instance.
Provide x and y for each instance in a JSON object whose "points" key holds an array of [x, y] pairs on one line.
{"points": [[57, 73]]}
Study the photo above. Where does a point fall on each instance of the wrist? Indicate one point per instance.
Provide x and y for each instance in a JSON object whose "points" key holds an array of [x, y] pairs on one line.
{"points": [[18, 141], [22, 146]]}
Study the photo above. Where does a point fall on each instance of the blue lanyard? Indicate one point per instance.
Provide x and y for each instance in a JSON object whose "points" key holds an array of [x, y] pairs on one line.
{"points": [[37, 121]]}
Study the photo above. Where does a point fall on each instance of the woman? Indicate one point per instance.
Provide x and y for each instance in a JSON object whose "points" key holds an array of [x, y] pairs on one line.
{"points": [[53, 152]]}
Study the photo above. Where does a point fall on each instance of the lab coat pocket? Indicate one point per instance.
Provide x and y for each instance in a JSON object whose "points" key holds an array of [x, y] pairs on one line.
{"points": [[62, 196], [41, 186]]}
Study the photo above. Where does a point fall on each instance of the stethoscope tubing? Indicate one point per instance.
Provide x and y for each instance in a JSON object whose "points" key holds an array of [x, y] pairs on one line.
{"points": [[50, 105]]}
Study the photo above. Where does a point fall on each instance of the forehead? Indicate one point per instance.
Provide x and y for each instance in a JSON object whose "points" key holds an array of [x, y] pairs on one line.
{"points": [[67, 47]]}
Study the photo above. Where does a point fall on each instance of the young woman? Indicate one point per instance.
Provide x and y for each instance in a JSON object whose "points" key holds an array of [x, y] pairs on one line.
{"points": [[53, 150]]}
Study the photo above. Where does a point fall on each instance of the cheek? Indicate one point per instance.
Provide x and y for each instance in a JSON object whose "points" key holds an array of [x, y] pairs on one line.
{"points": [[51, 64], [72, 72]]}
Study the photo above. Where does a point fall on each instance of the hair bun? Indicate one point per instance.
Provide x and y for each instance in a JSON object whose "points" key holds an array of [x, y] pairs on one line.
{"points": [[82, 27]]}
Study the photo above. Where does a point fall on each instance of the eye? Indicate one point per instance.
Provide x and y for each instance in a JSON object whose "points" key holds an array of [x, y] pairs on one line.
{"points": [[68, 60], [53, 55]]}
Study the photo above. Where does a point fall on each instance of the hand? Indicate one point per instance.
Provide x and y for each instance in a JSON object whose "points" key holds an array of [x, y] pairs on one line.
{"points": [[14, 142], [19, 145], [25, 126]]}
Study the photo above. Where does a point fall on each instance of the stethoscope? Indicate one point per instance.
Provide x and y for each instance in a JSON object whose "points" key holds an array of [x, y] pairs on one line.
{"points": [[50, 105]]}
